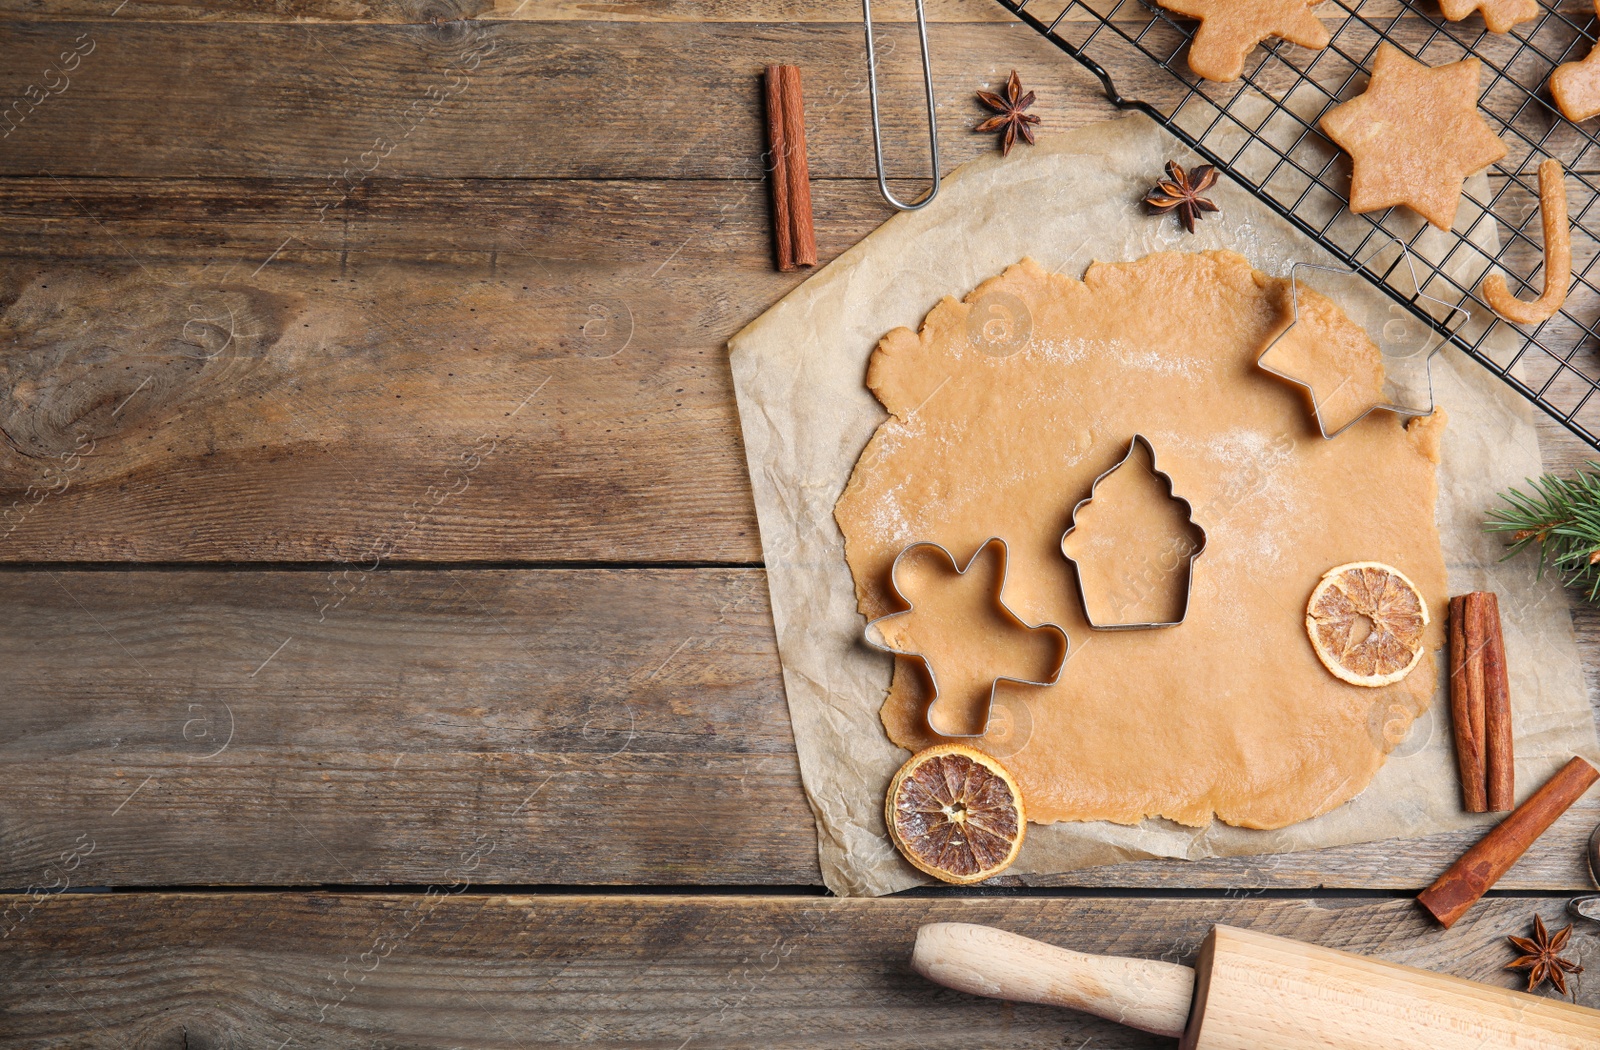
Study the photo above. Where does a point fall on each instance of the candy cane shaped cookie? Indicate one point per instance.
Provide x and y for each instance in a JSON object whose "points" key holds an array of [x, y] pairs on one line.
{"points": [[1557, 256]]}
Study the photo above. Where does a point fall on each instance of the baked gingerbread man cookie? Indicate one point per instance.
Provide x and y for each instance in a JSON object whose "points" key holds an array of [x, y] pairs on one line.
{"points": [[1498, 15], [1576, 85], [1413, 136], [1230, 29]]}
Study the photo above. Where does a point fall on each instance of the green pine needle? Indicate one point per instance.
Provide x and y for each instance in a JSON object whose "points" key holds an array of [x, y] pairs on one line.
{"points": [[1562, 518]]}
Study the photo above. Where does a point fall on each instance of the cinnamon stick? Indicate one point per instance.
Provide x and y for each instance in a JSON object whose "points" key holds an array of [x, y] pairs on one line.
{"points": [[1472, 614], [1469, 745], [1498, 748], [1481, 866], [798, 170], [777, 150]]}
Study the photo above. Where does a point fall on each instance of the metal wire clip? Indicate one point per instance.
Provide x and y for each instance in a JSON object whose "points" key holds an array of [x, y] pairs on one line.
{"points": [[877, 129], [1407, 346], [874, 633], [1188, 509]]}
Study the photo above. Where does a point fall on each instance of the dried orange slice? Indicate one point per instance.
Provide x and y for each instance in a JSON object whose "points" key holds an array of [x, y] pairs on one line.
{"points": [[1365, 620], [956, 814]]}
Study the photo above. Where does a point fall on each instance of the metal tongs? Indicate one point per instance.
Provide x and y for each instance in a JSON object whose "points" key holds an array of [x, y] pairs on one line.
{"points": [[877, 130]]}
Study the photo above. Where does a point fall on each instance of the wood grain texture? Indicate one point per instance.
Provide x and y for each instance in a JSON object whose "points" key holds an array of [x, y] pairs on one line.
{"points": [[294, 728], [409, 11], [498, 100], [169, 324], [427, 11], [255, 383], [587, 726], [171, 327], [261, 378], [628, 228], [358, 971], [1253, 989], [370, 416], [1151, 995]]}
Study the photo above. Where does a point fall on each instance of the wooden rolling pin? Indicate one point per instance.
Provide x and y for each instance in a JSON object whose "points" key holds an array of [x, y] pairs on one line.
{"points": [[1253, 991]]}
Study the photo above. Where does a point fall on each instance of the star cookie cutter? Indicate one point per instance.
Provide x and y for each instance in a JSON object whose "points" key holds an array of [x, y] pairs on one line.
{"points": [[874, 632], [1188, 511], [1406, 344]]}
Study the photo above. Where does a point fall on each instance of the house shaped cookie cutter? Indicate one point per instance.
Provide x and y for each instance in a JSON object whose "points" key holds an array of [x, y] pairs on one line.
{"points": [[874, 633], [1408, 345], [1188, 510]]}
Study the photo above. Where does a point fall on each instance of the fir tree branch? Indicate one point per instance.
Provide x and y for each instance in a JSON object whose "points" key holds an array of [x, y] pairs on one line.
{"points": [[1561, 517]]}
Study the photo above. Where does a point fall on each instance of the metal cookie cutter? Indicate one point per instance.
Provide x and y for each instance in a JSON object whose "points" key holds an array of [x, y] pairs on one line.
{"points": [[874, 633], [1407, 345], [1588, 906], [877, 129], [1188, 580]]}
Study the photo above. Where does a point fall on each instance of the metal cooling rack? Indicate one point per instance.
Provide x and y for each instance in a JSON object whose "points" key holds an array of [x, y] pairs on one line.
{"points": [[1262, 129]]}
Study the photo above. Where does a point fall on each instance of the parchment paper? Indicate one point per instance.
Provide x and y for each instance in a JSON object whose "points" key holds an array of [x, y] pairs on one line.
{"points": [[799, 374]]}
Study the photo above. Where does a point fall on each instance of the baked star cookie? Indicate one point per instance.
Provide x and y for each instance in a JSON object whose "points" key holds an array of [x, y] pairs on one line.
{"points": [[1414, 136], [1498, 15], [1229, 29], [1576, 85]]}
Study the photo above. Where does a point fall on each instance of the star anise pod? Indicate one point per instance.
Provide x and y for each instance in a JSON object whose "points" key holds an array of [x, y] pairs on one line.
{"points": [[1542, 956], [1010, 108], [1183, 192]]}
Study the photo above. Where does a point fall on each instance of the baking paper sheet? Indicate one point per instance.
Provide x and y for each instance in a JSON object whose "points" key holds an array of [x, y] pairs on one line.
{"points": [[799, 372]]}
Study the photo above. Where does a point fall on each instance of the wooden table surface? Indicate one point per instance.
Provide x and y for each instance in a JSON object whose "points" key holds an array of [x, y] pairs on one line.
{"points": [[385, 653]]}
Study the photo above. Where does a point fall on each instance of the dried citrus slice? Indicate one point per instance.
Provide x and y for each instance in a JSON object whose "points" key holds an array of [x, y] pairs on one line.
{"points": [[1365, 620], [956, 814]]}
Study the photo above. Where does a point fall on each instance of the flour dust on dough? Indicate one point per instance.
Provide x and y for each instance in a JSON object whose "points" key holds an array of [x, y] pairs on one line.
{"points": [[1005, 407]]}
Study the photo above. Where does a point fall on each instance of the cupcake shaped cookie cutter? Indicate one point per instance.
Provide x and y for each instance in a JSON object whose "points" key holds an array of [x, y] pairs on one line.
{"points": [[1194, 551], [875, 636]]}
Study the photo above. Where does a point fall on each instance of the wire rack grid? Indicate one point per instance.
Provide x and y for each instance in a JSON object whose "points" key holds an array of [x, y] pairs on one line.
{"points": [[1262, 130]]}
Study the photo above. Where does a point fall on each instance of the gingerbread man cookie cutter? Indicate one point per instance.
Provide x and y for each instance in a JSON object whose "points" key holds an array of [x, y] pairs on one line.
{"points": [[1195, 552], [874, 634], [1408, 346]]}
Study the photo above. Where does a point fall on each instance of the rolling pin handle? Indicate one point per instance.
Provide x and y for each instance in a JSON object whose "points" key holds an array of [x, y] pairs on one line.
{"points": [[1145, 994]]}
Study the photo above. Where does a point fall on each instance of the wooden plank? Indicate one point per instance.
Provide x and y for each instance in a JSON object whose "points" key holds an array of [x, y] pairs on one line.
{"points": [[420, 11], [592, 726], [256, 379], [463, 411], [314, 970], [498, 99], [427, 11], [502, 100], [627, 227], [296, 728]]}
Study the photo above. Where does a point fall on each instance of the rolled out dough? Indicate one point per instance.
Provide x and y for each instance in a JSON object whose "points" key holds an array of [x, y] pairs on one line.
{"points": [[1003, 410], [957, 610]]}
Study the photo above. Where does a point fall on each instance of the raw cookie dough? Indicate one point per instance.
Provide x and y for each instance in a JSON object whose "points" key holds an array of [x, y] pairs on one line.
{"points": [[1132, 545], [1331, 357], [1229, 714], [1230, 30], [956, 609], [1413, 136]]}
